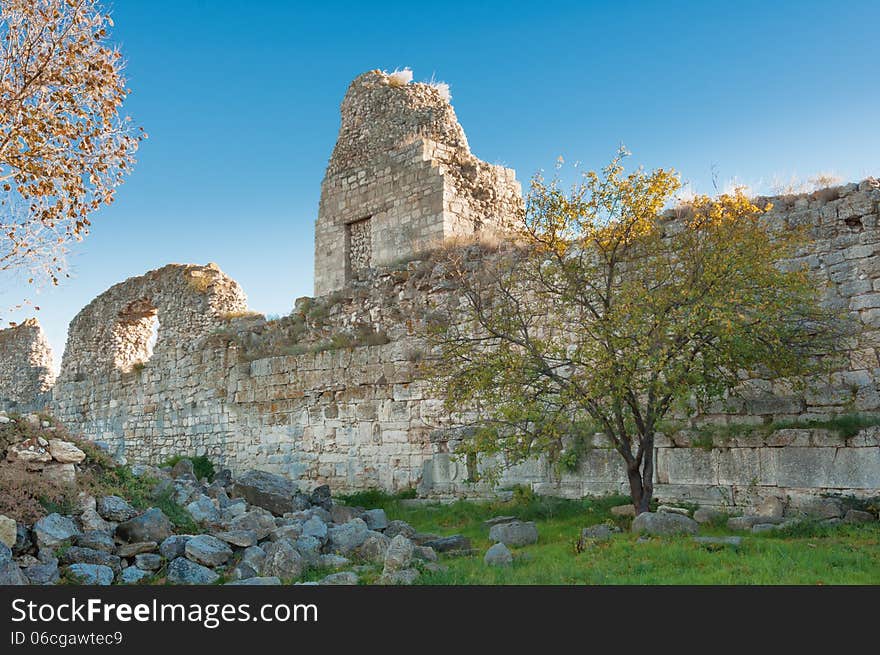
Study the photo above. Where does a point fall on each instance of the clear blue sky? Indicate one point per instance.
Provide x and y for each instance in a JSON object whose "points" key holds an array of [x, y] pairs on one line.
{"points": [[241, 99]]}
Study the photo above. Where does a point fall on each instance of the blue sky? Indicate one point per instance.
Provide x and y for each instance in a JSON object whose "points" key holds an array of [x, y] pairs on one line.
{"points": [[241, 99]]}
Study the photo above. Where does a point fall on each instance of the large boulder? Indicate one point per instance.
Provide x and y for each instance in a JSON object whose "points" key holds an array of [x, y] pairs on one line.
{"points": [[456, 543], [53, 530], [65, 452], [315, 527], [184, 571], [203, 511], [498, 555], [514, 533], [399, 555], [267, 490], [258, 520], [662, 524], [91, 574], [399, 527], [375, 519], [152, 525], [96, 539], [282, 560], [347, 537], [374, 548], [208, 550], [114, 508], [320, 497]]}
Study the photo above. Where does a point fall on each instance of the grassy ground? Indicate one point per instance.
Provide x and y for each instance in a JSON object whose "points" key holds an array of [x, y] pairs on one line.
{"points": [[808, 554]]}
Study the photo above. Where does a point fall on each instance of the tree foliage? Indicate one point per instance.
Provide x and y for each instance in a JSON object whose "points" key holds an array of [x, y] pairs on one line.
{"points": [[64, 147], [604, 314]]}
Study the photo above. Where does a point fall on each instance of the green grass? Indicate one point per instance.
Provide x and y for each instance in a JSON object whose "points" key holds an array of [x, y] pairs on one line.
{"points": [[806, 554], [202, 466]]}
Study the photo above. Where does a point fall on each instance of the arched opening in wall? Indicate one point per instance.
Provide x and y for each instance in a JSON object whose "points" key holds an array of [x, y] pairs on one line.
{"points": [[135, 335]]}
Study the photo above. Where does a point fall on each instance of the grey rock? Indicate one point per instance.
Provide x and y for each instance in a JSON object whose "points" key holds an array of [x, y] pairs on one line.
{"points": [[309, 548], [498, 555], [765, 527], [240, 538], [341, 578], [425, 553], [242, 571], [233, 509], [8, 531], [671, 509], [663, 524], [405, 577], [706, 515], [183, 468], [43, 574], [138, 547], [623, 510], [174, 546], [331, 561], [114, 508], [745, 522], [148, 561], [79, 555], [152, 525], [133, 575], [91, 574], [315, 527], [92, 521], [454, 544], [734, 542], [514, 533], [344, 513], [498, 520], [10, 572], [53, 530], [207, 550], [292, 532], [858, 516], [96, 539], [203, 511], [258, 520], [265, 581], [320, 496], [399, 527], [399, 555], [600, 532], [374, 547], [348, 536], [826, 508], [254, 556], [267, 490], [375, 519], [282, 560], [184, 571], [23, 541]]}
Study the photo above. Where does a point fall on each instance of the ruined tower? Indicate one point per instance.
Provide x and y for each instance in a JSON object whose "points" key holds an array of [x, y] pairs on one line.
{"points": [[400, 180]]}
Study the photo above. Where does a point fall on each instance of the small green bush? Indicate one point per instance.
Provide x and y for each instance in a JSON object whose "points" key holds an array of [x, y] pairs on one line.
{"points": [[202, 466]]}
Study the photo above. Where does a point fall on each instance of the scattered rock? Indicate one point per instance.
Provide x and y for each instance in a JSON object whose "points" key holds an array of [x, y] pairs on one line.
{"points": [[315, 527], [748, 521], [348, 536], [174, 546], [53, 530], [374, 548], [242, 571], [331, 561], [375, 519], [454, 544], [826, 508], [185, 571], [652, 523], [43, 574], [765, 527], [254, 556], [202, 510], [152, 525], [91, 520], [596, 533], [399, 554], [207, 550], [399, 527], [514, 533], [320, 496], [265, 581], [267, 490], [498, 555], [8, 532], [405, 577], [114, 508], [97, 540], [183, 469], [133, 575], [65, 452], [132, 550], [498, 520], [80, 555], [240, 538], [623, 510], [344, 513], [10, 572], [341, 578], [258, 520], [425, 553], [282, 560], [148, 561], [91, 574], [23, 541], [670, 509], [310, 549], [734, 542]]}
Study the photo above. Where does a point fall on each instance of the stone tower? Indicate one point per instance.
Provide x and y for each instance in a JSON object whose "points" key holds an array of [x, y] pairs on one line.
{"points": [[400, 180]]}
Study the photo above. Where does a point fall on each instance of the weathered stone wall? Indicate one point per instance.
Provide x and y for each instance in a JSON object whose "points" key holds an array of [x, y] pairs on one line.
{"points": [[401, 169], [26, 368]]}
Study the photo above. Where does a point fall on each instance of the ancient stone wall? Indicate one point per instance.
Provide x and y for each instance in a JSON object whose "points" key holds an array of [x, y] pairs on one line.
{"points": [[26, 368], [403, 171]]}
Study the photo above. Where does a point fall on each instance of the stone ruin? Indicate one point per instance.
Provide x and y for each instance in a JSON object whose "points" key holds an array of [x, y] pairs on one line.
{"points": [[330, 395]]}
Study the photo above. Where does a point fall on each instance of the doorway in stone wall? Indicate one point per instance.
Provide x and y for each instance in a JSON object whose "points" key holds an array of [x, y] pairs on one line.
{"points": [[358, 248]]}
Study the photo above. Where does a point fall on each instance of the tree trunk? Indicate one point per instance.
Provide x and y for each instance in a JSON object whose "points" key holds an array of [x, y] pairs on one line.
{"points": [[636, 489], [641, 482]]}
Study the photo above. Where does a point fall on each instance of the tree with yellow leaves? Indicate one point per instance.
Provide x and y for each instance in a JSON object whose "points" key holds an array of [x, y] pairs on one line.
{"points": [[64, 147], [605, 313]]}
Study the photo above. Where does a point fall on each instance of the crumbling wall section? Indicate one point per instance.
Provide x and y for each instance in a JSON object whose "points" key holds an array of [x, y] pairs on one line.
{"points": [[26, 368]]}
